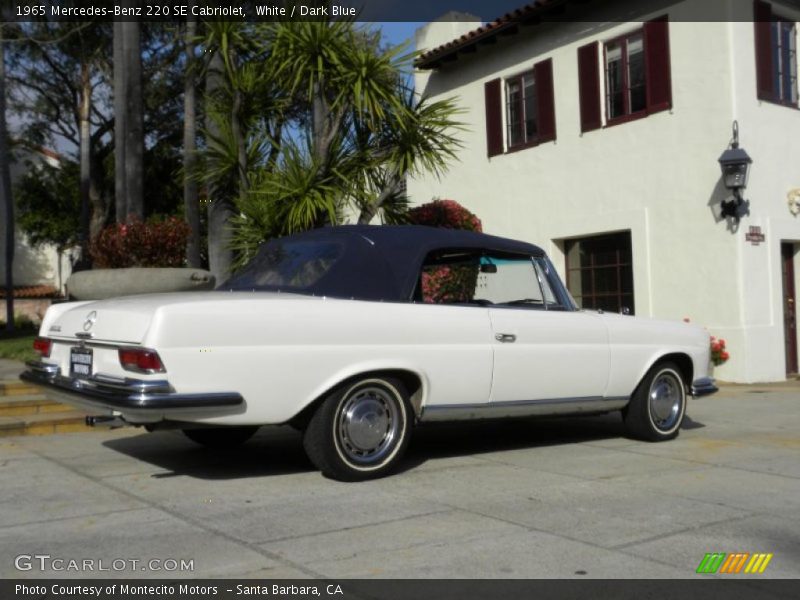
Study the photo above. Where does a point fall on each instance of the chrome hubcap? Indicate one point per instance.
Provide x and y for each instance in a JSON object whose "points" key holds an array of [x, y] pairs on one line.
{"points": [[666, 399], [368, 424]]}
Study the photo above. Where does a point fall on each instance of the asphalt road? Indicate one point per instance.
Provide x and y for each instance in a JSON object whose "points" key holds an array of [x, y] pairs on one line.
{"points": [[556, 498]]}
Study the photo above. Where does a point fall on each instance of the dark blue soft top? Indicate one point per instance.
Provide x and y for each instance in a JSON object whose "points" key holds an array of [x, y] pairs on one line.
{"points": [[364, 262]]}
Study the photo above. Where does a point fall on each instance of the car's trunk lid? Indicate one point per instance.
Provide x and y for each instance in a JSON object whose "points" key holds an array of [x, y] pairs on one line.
{"points": [[124, 320]]}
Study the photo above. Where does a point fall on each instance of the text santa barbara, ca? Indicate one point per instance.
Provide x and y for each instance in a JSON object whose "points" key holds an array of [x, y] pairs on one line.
{"points": [[156, 10]]}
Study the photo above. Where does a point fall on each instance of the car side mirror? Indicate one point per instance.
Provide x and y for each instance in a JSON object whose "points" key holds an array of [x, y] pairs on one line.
{"points": [[488, 268]]}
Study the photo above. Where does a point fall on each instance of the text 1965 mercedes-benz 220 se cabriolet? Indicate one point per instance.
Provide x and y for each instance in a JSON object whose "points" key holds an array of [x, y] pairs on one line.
{"points": [[354, 334]]}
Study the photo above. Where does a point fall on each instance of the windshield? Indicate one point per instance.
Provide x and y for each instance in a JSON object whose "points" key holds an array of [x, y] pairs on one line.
{"points": [[286, 264]]}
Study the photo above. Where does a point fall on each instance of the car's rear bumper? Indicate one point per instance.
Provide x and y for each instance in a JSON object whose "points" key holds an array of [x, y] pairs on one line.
{"points": [[703, 387], [123, 393]]}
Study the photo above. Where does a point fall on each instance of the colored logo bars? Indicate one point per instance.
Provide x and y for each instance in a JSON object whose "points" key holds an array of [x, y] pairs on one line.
{"points": [[737, 562]]}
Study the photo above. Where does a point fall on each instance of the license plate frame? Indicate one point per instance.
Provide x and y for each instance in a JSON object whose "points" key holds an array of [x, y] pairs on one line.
{"points": [[81, 361]]}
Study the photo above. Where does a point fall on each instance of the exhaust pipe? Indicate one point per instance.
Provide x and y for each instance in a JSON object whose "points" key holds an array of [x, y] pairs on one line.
{"points": [[110, 421]]}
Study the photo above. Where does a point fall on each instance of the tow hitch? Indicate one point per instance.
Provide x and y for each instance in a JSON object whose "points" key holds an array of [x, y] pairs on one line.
{"points": [[110, 421]]}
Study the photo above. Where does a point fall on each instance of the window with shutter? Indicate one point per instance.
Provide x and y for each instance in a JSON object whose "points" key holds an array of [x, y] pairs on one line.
{"points": [[637, 73], [530, 107], [776, 56]]}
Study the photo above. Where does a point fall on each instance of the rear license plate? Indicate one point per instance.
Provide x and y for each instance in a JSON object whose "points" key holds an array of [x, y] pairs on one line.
{"points": [[80, 362]]}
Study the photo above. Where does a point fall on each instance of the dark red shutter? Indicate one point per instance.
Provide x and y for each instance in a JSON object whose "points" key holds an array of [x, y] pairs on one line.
{"points": [[589, 87], [545, 100], [494, 118], [762, 15], [656, 47]]}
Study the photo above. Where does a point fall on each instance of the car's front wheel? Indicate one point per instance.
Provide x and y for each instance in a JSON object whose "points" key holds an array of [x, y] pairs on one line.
{"points": [[360, 431], [658, 405], [220, 438]]}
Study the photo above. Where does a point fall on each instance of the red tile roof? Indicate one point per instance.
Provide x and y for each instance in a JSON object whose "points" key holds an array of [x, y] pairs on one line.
{"points": [[506, 24], [32, 291]]}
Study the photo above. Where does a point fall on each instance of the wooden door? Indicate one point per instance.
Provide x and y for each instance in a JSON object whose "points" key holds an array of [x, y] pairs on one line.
{"points": [[789, 307]]}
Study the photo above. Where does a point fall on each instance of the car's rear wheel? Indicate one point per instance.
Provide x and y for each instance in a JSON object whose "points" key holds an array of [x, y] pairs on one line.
{"points": [[360, 431], [658, 405], [221, 438]]}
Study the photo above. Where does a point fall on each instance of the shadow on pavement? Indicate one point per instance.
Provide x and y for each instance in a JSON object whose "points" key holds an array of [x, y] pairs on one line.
{"points": [[279, 450], [272, 451], [439, 440]]}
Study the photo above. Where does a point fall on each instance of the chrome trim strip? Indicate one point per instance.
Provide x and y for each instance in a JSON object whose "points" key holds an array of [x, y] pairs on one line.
{"points": [[123, 393], [704, 386], [522, 408]]}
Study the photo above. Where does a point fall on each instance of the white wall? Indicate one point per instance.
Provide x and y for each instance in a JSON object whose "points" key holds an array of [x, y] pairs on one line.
{"points": [[657, 177], [33, 265]]}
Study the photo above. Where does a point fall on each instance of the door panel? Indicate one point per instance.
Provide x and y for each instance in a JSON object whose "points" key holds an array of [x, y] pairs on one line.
{"points": [[555, 354]]}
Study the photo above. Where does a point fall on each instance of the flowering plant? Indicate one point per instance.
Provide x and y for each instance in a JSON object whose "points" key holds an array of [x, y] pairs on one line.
{"points": [[719, 355], [444, 213], [151, 243], [447, 283]]}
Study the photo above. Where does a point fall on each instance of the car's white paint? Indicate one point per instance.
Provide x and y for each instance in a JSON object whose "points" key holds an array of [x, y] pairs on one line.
{"points": [[282, 351]]}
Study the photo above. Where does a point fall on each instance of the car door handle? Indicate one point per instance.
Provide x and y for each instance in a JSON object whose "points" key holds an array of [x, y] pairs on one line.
{"points": [[505, 337]]}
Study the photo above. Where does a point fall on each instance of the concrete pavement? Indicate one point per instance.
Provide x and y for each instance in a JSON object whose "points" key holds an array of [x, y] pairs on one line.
{"points": [[518, 499]]}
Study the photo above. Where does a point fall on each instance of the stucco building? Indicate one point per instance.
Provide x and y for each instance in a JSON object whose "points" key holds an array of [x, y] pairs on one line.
{"points": [[595, 132], [39, 272]]}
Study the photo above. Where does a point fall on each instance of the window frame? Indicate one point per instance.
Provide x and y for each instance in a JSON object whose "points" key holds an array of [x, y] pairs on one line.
{"points": [[520, 78], [619, 265], [628, 115], [776, 49]]}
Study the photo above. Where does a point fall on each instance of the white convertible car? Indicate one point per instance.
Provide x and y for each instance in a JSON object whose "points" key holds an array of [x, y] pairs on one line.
{"points": [[354, 334]]}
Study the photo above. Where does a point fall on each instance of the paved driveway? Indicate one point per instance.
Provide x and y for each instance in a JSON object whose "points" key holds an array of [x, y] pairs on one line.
{"points": [[556, 498]]}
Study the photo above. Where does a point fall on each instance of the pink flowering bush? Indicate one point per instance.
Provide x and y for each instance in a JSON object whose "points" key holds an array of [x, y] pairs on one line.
{"points": [[444, 213], [447, 283], [152, 243]]}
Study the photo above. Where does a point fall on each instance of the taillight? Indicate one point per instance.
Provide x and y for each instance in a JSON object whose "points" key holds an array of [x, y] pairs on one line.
{"points": [[43, 346], [140, 360]]}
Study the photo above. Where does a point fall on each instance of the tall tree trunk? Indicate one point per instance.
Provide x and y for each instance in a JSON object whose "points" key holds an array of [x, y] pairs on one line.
{"points": [[84, 126], [134, 138], [220, 207], [101, 205], [190, 195], [120, 124], [6, 201], [238, 137]]}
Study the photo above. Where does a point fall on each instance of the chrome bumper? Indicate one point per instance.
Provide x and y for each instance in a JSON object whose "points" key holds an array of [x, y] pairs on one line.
{"points": [[703, 387], [123, 393]]}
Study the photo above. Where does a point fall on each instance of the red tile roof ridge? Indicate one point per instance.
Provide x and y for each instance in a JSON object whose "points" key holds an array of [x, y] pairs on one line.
{"points": [[506, 19], [32, 291]]}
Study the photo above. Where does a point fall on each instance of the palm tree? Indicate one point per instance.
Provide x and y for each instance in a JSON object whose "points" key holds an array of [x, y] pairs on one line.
{"points": [[190, 193], [326, 122]]}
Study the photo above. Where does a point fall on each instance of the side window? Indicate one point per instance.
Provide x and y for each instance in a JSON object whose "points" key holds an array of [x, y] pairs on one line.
{"points": [[448, 278], [509, 281], [485, 279]]}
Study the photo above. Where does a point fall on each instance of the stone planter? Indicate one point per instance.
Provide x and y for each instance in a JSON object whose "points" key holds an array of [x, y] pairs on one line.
{"points": [[99, 284]]}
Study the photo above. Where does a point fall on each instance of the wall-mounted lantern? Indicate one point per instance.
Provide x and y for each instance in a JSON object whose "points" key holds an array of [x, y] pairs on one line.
{"points": [[735, 165]]}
